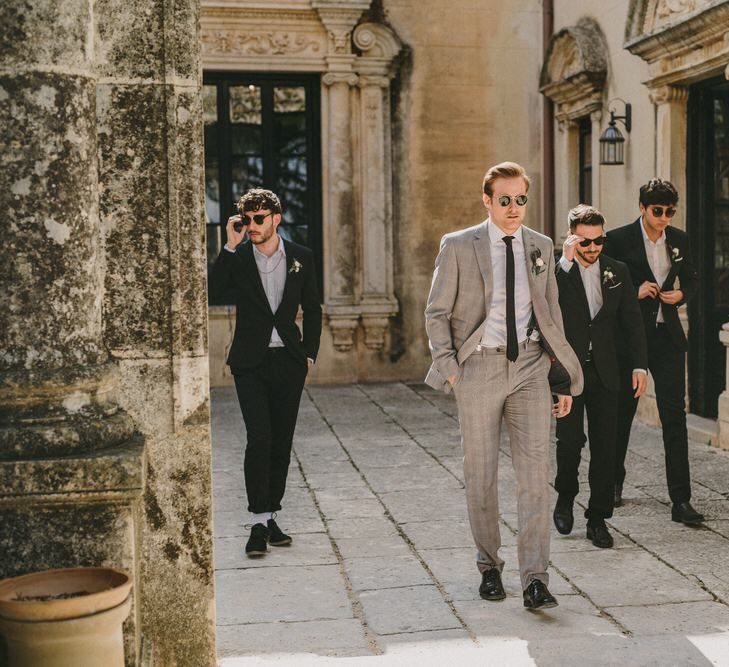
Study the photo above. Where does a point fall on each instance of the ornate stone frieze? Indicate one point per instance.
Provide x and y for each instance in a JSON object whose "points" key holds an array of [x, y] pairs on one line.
{"points": [[575, 68], [225, 42]]}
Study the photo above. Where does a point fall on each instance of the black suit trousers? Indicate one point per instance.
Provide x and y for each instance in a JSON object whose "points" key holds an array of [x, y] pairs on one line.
{"points": [[269, 395], [667, 364], [601, 405]]}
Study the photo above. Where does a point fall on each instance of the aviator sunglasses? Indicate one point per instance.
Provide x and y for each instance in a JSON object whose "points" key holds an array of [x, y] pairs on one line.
{"points": [[658, 211], [505, 200]]}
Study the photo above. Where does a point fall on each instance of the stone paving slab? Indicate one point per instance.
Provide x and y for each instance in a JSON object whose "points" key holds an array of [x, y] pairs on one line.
{"points": [[382, 569]]}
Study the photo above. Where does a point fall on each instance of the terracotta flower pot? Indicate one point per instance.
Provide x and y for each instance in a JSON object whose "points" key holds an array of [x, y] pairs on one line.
{"points": [[65, 618]]}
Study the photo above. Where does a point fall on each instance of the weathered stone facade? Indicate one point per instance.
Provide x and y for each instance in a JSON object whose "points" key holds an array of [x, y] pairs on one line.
{"points": [[104, 425]]}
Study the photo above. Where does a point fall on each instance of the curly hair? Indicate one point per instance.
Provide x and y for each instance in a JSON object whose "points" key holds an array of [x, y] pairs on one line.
{"points": [[257, 199], [658, 191]]}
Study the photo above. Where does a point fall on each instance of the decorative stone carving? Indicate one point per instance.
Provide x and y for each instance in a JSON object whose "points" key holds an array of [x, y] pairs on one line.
{"points": [[331, 78], [575, 68], [375, 329], [223, 42], [342, 328], [666, 94]]}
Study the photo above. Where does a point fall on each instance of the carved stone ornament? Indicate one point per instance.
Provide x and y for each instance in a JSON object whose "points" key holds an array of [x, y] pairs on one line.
{"points": [[375, 329], [223, 42], [681, 40], [342, 329], [379, 46], [575, 68], [667, 94], [330, 78]]}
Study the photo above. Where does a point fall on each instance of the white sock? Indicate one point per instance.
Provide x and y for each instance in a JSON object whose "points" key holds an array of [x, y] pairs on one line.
{"points": [[260, 518]]}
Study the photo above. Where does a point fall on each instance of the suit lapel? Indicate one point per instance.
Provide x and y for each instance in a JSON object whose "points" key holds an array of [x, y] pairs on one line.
{"points": [[482, 248], [249, 262], [576, 278], [639, 243], [531, 250], [607, 293], [675, 266], [288, 285]]}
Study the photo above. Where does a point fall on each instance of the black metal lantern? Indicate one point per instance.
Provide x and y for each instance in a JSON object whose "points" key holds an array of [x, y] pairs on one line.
{"points": [[612, 140]]}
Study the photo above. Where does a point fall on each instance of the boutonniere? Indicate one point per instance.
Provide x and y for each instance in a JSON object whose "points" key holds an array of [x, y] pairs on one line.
{"points": [[675, 254], [295, 266], [608, 278], [537, 262]]}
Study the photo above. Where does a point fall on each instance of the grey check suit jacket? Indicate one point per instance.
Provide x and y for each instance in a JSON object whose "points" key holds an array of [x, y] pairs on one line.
{"points": [[460, 296]]}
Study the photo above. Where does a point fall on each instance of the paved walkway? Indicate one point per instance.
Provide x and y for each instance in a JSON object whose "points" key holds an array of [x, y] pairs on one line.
{"points": [[382, 567]]}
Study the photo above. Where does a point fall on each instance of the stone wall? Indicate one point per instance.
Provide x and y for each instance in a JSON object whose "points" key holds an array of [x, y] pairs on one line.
{"points": [[104, 418]]}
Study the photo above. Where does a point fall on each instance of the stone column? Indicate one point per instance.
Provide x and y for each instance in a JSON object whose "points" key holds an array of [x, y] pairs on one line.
{"points": [[568, 186], [671, 119], [724, 396], [340, 229], [377, 300], [71, 471]]}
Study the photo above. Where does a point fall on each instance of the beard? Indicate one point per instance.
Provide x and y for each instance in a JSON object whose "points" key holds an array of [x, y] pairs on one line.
{"points": [[590, 259], [261, 237]]}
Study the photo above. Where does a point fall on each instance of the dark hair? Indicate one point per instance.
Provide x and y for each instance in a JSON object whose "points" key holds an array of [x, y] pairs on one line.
{"points": [[658, 191], [582, 214], [503, 170], [257, 199]]}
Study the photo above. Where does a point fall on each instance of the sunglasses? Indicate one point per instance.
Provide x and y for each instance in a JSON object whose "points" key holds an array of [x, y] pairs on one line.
{"points": [[585, 243], [505, 200], [658, 211], [245, 220]]}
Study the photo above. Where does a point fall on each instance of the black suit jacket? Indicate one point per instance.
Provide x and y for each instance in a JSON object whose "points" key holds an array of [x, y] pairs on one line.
{"points": [[236, 274], [619, 306], [626, 244]]}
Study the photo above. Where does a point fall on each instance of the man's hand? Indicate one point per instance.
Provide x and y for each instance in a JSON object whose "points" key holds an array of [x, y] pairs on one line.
{"points": [[452, 380], [570, 245], [563, 406], [234, 238], [640, 382], [671, 296], [648, 290]]}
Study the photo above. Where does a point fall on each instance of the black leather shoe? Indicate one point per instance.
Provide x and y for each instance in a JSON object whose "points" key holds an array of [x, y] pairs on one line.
{"points": [[491, 587], [599, 535], [618, 495], [563, 517], [537, 596], [258, 541], [684, 513], [277, 537]]}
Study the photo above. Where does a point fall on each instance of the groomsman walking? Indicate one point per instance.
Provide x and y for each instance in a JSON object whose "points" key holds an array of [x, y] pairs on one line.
{"points": [[595, 293], [490, 282], [658, 255]]}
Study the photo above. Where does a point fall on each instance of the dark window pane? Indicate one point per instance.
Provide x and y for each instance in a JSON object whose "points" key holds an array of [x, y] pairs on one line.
{"points": [[210, 104], [247, 173], [291, 187], [214, 243], [212, 171], [246, 139], [295, 233], [289, 106], [245, 105], [212, 190]]}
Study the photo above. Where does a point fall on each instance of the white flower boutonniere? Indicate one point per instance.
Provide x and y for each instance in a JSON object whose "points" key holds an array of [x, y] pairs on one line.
{"points": [[537, 262], [608, 278], [676, 255], [295, 266]]}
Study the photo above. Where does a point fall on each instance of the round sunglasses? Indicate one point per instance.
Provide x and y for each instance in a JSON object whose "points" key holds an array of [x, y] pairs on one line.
{"points": [[505, 200], [658, 211], [246, 220]]}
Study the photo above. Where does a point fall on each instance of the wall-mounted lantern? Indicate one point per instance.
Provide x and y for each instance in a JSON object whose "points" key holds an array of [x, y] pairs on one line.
{"points": [[612, 140]]}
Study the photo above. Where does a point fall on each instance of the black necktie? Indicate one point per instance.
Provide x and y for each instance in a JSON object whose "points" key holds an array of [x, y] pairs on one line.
{"points": [[512, 344]]}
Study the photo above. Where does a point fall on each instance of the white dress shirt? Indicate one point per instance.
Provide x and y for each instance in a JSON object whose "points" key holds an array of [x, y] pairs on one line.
{"points": [[658, 260], [494, 334]]}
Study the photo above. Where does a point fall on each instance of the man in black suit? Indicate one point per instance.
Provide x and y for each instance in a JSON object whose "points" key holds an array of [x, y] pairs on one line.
{"points": [[658, 254], [595, 293], [269, 279]]}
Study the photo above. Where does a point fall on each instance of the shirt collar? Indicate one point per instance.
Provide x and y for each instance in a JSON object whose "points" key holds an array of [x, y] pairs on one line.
{"points": [[593, 268], [661, 238], [279, 250], [495, 234]]}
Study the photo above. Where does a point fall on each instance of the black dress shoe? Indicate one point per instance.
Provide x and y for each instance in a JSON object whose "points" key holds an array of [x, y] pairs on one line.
{"points": [[258, 541], [618, 495], [599, 535], [491, 587], [537, 596], [277, 537], [684, 513], [563, 517]]}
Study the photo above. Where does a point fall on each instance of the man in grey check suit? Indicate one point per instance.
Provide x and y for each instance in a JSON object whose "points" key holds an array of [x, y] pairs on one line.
{"points": [[493, 295]]}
